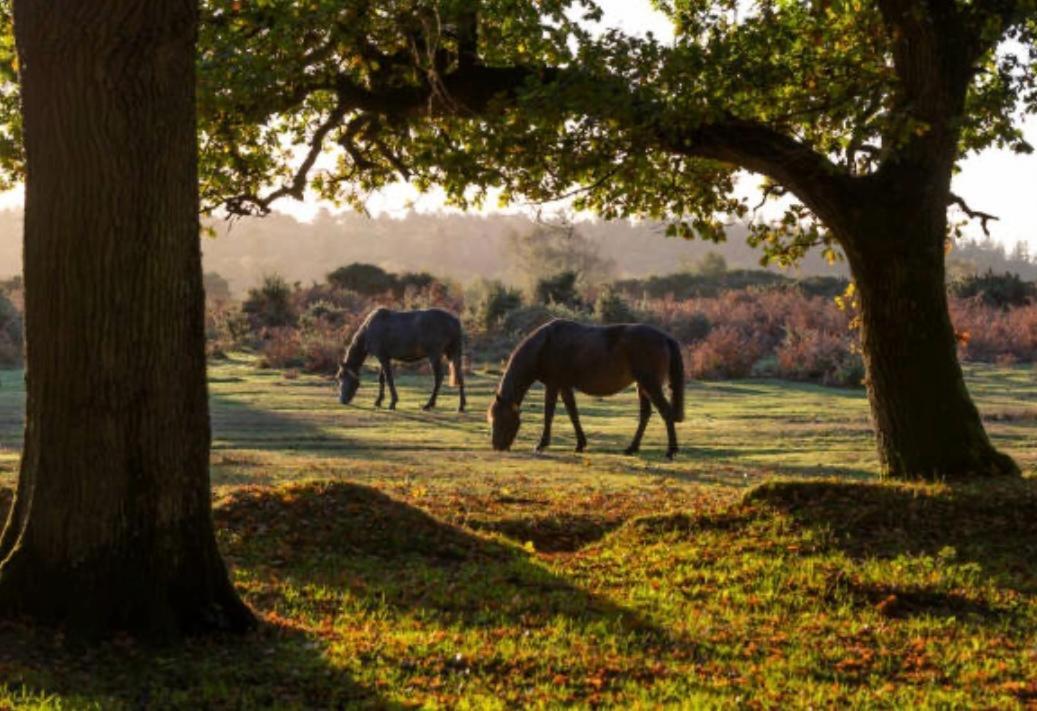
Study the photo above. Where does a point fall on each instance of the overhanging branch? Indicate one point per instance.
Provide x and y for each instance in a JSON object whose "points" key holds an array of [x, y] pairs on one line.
{"points": [[983, 217]]}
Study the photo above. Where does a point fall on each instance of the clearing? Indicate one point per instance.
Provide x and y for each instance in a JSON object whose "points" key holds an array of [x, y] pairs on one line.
{"points": [[396, 561]]}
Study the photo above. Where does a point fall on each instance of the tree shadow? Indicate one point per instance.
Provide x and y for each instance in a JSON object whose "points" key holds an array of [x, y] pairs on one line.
{"points": [[240, 425], [387, 553], [277, 666], [991, 524]]}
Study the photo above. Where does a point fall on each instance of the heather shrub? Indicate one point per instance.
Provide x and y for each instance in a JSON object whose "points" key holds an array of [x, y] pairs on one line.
{"points": [[692, 328], [726, 352], [812, 354], [321, 348], [992, 335], [282, 348]]}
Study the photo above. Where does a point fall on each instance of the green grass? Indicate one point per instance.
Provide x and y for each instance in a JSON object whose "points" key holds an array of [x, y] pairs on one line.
{"points": [[396, 561]]}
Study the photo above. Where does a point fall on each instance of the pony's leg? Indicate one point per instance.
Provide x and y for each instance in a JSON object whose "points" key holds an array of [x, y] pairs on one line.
{"points": [[655, 392], [437, 380], [570, 406], [459, 375], [381, 388], [550, 399], [646, 413], [387, 370]]}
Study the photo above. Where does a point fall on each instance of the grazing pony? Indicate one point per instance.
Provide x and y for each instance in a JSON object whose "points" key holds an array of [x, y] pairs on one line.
{"points": [[597, 360], [407, 336]]}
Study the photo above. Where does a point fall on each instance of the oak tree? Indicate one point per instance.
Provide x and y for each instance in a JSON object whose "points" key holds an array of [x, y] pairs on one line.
{"points": [[857, 111], [111, 527]]}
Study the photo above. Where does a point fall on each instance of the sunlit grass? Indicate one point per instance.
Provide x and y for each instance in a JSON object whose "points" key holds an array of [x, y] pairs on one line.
{"points": [[395, 560]]}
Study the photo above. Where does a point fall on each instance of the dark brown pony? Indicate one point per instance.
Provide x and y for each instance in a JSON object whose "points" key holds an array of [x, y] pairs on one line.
{"points": [[597, 360], [407, 336]]}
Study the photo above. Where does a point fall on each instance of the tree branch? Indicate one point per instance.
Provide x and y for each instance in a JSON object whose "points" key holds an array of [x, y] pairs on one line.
{"points": [[983, 217]]}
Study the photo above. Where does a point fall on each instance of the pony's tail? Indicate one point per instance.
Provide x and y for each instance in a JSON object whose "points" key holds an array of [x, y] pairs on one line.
{"points": [[456, 363], [676, 381]]}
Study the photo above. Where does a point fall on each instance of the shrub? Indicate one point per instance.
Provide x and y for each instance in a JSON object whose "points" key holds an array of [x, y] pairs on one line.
{"points": [[611, 307], [811, 354], [488, 302], [525, 319], [281, 349], [270, 305], [557, 289], [227, 328], [323, 313], [1000, 290], [691, 328], [366, 279], [10, 333], [725, 353]]}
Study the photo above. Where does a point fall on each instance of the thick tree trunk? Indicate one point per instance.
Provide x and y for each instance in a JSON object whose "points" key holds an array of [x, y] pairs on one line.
{"points": [[111, 529], [926, 424]]}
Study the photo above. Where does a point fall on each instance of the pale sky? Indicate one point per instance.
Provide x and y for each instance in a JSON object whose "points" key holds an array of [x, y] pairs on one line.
{"points": [[996, 181]]}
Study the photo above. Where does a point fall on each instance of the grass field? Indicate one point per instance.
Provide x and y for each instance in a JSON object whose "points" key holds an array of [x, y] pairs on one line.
{"points": [[396, 561]]}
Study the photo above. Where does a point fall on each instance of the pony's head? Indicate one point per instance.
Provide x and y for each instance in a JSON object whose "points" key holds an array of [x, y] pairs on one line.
{"points": [[504, 422], [348, 382]]}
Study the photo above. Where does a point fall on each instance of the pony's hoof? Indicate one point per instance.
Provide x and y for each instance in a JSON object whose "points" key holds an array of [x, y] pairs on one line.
{"points": [[539, 449], [461, 409], [392, 405], [670, 454], [579, 448], [377, 403], [629, 451], [426, 408]]}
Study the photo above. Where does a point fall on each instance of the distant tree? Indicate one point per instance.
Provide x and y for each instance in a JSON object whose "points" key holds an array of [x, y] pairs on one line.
{"points": [[366, 279], [111, 526], [217, 289], [549, 249], [711, 265]]}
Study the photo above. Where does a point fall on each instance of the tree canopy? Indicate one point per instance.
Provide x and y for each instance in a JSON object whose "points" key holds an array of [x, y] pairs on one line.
{"points": [[524, 97]]}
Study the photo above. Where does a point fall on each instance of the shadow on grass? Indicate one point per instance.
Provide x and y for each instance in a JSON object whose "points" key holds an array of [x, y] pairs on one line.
{"points": [[395, 556], [277, 666], [992, 524], [238, 425]]}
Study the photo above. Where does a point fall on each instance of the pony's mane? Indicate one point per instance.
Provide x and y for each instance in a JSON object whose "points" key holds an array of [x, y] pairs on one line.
{"points": [[518, 373]]}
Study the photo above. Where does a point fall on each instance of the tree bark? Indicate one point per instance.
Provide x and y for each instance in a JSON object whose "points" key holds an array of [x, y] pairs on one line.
{"points": [[111, 528], [926, 423]]}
